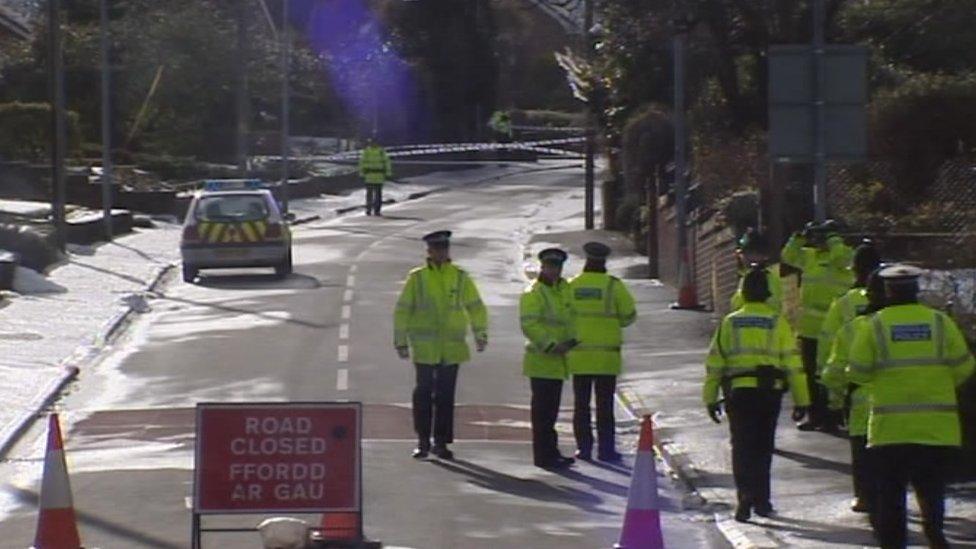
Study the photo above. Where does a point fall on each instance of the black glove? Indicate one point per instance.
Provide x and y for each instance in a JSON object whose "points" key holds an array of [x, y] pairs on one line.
{"points": [[799, 412], [715, 412]]}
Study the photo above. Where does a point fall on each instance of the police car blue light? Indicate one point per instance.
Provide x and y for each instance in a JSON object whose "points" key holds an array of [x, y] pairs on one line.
{"points": [[217, 185]]}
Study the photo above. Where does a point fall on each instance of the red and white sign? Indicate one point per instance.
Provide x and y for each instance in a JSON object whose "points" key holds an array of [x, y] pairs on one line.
{"points": [[262, 458]]}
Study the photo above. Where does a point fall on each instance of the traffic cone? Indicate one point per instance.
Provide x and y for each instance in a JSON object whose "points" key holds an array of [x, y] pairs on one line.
{"points": [[57, 527], [642, 521], [688, 292]]}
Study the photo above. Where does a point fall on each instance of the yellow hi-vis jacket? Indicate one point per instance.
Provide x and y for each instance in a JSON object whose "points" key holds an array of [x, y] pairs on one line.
{"points": [[754, 336], [914, 358], [374, 165], [433, 313], [826, 276], [775, 283], [842, 311], [836, 377], [548, 318], [604, 307]]}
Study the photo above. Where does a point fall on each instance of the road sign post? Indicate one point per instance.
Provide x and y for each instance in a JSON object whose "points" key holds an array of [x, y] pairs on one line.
{"points": [[276, 458]]}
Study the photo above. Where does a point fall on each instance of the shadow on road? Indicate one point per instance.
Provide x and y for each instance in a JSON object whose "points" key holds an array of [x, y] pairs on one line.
{"points": [[242, 311], [496, 481], [294, 281], [821, 531], [815, 462], [30, 498]]}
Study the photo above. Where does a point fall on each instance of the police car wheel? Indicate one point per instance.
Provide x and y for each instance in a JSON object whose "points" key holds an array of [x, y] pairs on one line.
{"points": [[284, 268], [189, 273]]}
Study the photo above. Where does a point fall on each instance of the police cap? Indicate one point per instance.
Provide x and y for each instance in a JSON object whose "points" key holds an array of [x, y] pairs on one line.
{"points": [[438, 239], [900, 273], [755, 284], [866, 257], [596, 250], [553, 255], [752, 241]]}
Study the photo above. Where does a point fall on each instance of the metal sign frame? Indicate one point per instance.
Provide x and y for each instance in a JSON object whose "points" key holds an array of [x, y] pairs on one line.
{"points": [[197, 529]]}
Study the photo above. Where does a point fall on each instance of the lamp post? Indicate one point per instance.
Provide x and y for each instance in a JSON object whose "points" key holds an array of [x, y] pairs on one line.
{"points": [[285, 103], [681, 26], [590, 145], [58, 144], [106, 121]]}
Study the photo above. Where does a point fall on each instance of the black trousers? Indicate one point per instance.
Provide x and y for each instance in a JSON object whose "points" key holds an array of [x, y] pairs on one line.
{"points": [[863, 472], [374, 198], [818, 395], [753, 414], [583, 387], [546, 394], [433, 401], [923, 467]]}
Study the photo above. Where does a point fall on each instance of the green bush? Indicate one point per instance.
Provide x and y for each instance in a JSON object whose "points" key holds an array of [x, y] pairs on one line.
{"points": [[741, 210], [25, 131]]}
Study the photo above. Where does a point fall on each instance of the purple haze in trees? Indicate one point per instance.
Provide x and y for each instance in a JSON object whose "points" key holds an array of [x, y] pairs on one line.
{"points": [[368, 76]]}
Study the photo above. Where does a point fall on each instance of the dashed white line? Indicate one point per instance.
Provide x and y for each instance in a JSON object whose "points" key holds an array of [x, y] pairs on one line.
{"points": [[353, 269], [346, 312], [347, 296], [344, 331], [343, 355], [342, 380], [350, 281]]}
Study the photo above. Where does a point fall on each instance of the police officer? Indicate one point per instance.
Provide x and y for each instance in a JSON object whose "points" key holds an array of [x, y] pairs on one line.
{"points": [[754, 249], [842, 311], [604, 306], [914, 358], [751, 358], [548, 320], [437, 305], [375, 168], [823, 261], [853, 397]]}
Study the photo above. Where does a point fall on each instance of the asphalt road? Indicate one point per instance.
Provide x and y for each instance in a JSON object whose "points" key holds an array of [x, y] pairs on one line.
{"points": [[323, 334]]}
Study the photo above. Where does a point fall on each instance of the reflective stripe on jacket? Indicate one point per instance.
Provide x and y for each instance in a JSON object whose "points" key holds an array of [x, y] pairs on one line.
{"points": [[826, 275], [775, 301], [547, 317], [842, 311], [836, 377], [914, 358], [374, 165], [434, 311], [747, 339], [604, 306]]}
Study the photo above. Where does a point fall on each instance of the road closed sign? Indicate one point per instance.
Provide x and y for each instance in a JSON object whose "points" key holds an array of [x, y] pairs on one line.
{"points": [[277, 457]]}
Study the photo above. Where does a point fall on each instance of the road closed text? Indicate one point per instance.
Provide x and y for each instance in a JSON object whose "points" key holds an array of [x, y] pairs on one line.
{"points": [[271, 436]]}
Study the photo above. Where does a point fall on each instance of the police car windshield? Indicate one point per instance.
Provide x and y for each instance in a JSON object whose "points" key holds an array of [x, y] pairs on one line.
{"points": [[232, 207]]}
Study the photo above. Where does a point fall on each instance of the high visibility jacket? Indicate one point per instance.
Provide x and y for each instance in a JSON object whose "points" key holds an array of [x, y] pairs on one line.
{"points": [[435, 308], [374, 165], [775, 301], [836, 377], [604, 307], [749, 343], [914, 358], [841, 312], [826, 276], [548, 318]]}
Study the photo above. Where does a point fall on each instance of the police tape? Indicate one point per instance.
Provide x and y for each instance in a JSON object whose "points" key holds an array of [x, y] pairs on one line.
{"points": [[543, 146]]}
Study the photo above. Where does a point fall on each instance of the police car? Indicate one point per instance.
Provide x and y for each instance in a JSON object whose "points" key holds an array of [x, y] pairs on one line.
{"points": [[235, 223]]}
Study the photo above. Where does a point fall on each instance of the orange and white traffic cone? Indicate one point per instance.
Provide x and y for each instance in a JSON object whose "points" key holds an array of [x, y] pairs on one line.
{"points": [[642, 521], [688, 292], [57, 527]]}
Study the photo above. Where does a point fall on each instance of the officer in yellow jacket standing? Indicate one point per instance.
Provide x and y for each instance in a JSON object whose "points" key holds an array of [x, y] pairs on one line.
{"points": [[604, 306], [438, 304], [548, 320], [823, 260], [375, 168], [914, 359], [752, 358]]}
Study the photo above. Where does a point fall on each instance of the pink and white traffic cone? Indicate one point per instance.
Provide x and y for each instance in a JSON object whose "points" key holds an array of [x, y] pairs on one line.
{"points": [[642, 521], [57, 526]]}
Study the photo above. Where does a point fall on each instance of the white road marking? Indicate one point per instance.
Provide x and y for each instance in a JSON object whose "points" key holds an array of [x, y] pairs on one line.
{"points": [[350, 281], [353, 269], [347, 296], [343, 355], [344, 331], [342, 380], [346, 312]]}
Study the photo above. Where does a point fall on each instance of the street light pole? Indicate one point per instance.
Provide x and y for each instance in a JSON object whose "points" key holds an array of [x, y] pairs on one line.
{"points": [[106, 121], [243, 110], [59, 140], [285, 102], [820, 162], [680, 137], [590, 146]]}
